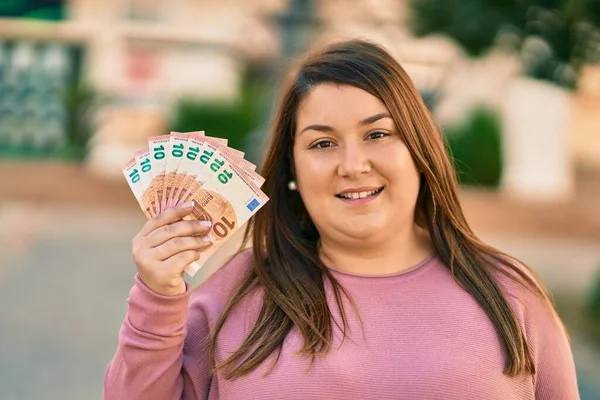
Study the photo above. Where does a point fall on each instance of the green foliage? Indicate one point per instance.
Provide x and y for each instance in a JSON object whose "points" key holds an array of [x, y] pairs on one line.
{"points": [[476, 149], [565, 33], [80, 102], [53, 10], [472, 23], [233, 121], [591, 311], [593, 301]]}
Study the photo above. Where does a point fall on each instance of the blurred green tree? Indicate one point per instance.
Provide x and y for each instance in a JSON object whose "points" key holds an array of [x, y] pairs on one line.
{"points": [[592, 310], [476, 149], [593, 302], [555, 37], [80, 104], [233, 121]]}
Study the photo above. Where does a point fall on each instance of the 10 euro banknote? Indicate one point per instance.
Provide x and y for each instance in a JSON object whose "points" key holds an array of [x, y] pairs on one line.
{"points": [[183, 167]]}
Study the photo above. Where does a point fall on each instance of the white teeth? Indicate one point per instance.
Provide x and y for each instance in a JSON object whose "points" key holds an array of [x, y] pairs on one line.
{"points": [[358, 195]]}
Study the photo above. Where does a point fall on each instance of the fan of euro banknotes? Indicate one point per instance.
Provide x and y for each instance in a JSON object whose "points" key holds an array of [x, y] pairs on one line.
{"points": [[183, 167]]}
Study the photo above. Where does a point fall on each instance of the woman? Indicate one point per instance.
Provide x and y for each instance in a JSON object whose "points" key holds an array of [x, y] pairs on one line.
{"points": [[364, 280]]}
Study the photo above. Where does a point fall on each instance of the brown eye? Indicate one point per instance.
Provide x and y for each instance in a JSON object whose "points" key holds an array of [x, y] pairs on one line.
{"points": [[377, 135], [323, 144]]}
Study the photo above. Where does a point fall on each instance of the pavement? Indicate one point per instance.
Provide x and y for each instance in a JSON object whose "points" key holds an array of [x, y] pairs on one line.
{"points": [[65, 272], [64, 279]]}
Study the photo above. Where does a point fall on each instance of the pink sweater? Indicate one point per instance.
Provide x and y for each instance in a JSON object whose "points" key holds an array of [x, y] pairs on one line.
{"points": [[424, 338]]}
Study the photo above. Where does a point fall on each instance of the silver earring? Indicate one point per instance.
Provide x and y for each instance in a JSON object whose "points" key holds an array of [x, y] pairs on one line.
{"points": [[292, 185]]}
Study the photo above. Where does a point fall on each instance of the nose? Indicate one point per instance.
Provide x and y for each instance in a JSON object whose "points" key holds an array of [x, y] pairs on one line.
{"points": [[354, 161]]}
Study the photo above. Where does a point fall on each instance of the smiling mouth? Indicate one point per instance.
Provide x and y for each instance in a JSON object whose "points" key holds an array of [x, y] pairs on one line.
{"points": [[359, 195]]}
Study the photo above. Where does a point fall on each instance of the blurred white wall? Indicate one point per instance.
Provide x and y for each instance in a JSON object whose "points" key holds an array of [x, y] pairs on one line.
{"points": [[188, 47]]}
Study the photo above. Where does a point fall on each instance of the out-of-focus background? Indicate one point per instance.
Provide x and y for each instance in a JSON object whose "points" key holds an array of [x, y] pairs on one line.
{"points": [[515, 85]]}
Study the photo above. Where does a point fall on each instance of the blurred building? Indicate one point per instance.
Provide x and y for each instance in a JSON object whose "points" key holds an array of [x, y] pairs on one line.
{"points": [[142, 55], [145, 54]]}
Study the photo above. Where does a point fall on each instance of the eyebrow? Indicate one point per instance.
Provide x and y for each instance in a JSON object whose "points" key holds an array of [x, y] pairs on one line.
{"points": [[366, 121]]}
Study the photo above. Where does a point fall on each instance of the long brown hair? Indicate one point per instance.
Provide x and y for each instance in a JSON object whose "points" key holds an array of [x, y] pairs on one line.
{"points": [[286, 264]]}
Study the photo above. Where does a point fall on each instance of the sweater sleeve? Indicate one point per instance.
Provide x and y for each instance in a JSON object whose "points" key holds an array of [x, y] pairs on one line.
{"points": [[555, 377], [150, 357]]}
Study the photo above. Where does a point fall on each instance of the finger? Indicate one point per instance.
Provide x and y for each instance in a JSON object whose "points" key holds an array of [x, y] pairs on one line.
{"points": [[178, 229], [181, 244], [169, 216], [182, 260]]}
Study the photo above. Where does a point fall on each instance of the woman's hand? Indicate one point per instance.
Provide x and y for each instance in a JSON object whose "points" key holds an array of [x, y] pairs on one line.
{"points": [[165, 246]]}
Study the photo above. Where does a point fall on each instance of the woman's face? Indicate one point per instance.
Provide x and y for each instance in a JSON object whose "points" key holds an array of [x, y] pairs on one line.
{"points": [[354, 173]]}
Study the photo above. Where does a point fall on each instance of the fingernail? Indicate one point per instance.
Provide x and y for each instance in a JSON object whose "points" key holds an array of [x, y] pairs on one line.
{"points": [[206, 239], [205, 224], [189, 204]]}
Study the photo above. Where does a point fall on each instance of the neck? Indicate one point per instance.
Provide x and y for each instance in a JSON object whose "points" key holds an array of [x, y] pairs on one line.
{"points": [[397, 253]]}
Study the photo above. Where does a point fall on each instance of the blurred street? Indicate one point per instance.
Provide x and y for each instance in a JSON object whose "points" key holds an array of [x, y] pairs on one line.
{"points": [[66, 269], [64, 277]]}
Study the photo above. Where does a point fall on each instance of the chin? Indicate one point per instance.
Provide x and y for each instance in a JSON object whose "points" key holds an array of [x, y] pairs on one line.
{"points": [[362, 233]]}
